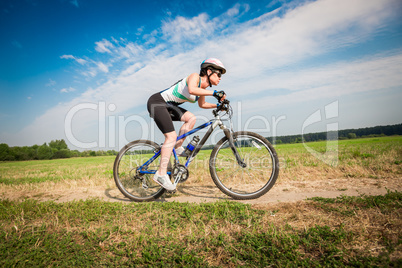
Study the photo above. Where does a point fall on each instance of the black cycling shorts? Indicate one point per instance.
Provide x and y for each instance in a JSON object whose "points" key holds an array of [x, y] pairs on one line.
{"points": [[164, 113]]}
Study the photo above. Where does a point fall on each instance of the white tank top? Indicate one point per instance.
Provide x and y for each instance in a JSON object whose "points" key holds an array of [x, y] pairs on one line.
{"points": [[178, 93]]}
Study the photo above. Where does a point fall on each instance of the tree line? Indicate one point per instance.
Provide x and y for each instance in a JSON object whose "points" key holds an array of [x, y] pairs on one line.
{"points": [[377, 131], [56, 149]]}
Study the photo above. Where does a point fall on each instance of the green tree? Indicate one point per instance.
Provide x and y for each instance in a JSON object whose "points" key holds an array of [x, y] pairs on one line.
{"points": [[45, 152], [58, 144], [63, 153], [23, 153], [75, 153], [5, 153], [111, 152]]}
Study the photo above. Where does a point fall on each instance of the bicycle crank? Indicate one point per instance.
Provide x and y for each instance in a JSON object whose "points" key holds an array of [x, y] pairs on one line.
{"points": [[180, 173]]}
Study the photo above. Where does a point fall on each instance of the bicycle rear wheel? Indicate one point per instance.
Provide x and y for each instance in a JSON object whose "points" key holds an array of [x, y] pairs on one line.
{"points": [[133, 184], [257, 176]]}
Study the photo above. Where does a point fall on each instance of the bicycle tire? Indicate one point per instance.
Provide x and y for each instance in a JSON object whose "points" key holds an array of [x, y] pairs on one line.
{"points": [[253, 180], [130, 183]]}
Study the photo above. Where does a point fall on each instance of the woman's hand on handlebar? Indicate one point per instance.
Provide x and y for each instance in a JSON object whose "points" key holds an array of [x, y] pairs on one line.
{"points": [[219, 95], [222, 105]]}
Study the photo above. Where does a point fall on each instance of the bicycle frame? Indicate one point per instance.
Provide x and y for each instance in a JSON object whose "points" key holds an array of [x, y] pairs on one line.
{"points": [[213, 123]]}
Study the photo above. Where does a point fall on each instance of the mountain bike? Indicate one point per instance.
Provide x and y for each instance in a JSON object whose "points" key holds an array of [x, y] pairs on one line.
{"points": [[243, 164]]}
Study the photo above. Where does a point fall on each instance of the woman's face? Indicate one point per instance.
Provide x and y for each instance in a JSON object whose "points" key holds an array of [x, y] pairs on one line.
{"points": [[215, 78]]}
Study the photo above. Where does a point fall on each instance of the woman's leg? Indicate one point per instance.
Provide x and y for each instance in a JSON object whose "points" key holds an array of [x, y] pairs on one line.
{"points": [[166, 152], [158, 110], [189, 122]]}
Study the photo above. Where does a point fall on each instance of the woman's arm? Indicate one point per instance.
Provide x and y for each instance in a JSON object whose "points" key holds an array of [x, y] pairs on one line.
{"points": [[193, 89], [205, 105]]}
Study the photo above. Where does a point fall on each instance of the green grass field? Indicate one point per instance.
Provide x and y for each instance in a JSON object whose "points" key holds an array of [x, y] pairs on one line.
{"points": [[363, 231]]}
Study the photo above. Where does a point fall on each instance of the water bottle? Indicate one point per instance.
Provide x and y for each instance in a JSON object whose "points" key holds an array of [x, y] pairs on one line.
{"points": [[191, 146]]}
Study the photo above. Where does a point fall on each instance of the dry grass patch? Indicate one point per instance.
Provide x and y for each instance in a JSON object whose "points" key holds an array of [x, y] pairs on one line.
{"points": [[375, 224]]}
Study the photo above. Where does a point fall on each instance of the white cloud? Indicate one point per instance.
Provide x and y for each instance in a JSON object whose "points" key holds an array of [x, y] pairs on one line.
{"points": [[188, 30], [103, 46], [309, 30], [67, 57], [103, 67], [79, 60], [374, 73], [256, 53], [132, 69], [90, 72], [181, 28], [67, 90], [51, 83]]}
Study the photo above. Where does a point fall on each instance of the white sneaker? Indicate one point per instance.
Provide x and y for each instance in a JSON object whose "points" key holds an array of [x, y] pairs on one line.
{"points": [[164, 181], [180, 151]]}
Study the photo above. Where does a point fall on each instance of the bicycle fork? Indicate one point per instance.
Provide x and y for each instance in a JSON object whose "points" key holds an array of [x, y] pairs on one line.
{"points": [[229, 136]]}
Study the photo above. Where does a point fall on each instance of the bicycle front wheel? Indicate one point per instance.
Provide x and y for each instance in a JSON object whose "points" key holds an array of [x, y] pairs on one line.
{"points": [[136, 185], [250, 179]]}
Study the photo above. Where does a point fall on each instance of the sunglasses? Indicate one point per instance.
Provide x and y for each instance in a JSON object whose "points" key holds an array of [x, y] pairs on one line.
{"points": [[218, 73]]}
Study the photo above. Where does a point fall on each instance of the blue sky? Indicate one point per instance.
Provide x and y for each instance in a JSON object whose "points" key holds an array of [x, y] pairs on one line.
{"points": [[90, 66]]}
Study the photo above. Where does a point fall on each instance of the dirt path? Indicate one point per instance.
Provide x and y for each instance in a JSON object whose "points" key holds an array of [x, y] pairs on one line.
{"points": [[283, 191]]}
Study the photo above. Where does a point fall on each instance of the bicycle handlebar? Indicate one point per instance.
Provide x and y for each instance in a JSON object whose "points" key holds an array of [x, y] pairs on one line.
{"points": [[223, 106]]}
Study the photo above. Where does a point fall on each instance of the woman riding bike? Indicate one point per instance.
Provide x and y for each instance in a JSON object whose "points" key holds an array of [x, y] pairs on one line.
{"points": [[164, 108]]}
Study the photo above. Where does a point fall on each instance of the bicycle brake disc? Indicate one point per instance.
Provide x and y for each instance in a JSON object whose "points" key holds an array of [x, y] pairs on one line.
{"points": [[181, 171]]}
